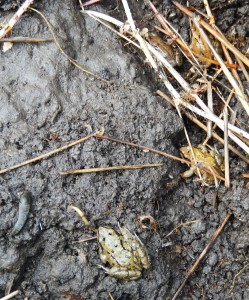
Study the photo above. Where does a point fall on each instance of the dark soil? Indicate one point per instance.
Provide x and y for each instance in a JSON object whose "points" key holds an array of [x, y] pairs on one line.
{"points": [[46, 102]]}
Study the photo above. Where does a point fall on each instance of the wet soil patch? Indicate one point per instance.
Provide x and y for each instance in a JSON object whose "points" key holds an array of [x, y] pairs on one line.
{"points": [[47, 103]]}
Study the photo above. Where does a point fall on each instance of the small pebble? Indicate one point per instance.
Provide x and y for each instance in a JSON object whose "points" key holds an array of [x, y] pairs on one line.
{"points": [[213, 259]]}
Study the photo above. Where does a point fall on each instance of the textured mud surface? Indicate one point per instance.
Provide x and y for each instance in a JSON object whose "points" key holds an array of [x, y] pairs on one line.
{"points": [[45, 103]]}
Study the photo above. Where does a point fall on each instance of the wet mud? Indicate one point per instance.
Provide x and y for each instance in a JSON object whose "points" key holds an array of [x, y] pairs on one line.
{"points": [[46, 103]]}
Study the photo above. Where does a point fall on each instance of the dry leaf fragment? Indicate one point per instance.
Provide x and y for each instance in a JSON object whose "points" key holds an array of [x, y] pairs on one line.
{"points": [[147, 218]]}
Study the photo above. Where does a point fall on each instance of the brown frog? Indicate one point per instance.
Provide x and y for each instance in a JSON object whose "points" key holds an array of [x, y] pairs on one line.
{"points": [[207, 160], [170, 52]]}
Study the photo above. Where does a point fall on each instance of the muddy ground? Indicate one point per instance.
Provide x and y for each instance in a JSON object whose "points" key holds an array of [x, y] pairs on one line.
{"points": [[45, 103]]}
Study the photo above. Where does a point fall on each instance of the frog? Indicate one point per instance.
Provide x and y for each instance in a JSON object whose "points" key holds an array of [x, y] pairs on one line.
{"points": [[125, 253], [206, 160], [167, 50]]}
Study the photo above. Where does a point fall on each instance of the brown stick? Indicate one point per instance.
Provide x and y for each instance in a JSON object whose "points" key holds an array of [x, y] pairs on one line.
{"points": [[91, 170], [234, 72], [105, 137], [45, 155], [20, 39], [202, 255]]}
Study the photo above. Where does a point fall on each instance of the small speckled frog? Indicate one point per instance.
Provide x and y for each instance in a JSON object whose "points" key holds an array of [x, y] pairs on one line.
{"points": [[206, 159], [124, 251]]}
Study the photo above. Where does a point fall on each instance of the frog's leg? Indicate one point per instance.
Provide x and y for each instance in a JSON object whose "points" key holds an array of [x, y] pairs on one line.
{"points": [[202, 148], [122, 273], [219, 161], [127, 235], [212, 153], [144, 258], [140, 253], [189, 172], [103, 257], [207, 178]]}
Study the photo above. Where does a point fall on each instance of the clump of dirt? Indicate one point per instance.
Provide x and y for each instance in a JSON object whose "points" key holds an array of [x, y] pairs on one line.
{"points": [[9, 4], [47, 103]]}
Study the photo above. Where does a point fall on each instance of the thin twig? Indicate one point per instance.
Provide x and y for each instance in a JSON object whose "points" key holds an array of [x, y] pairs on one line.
{"points": [[45, 155], [225, 106], [244, 70], [114, 168], [105, 137], [110, 295], [79, 212], [9, 26], [236, 275], [202, 255], [182, 225], [226, 102], [11, 295], [21, 39], [85, 240], [209, 12], [226, 150], [229, 59], [99, 17]]}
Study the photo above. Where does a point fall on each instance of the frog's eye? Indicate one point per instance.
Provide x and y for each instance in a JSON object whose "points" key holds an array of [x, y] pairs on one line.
{"points": [[115, 246], [103, 239]]}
